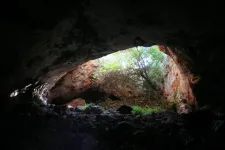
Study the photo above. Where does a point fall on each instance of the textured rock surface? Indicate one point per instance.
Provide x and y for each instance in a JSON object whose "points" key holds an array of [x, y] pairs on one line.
{"points": [[68, 130], [76, 102], [125, 109], [72, 83], [94, 110]]}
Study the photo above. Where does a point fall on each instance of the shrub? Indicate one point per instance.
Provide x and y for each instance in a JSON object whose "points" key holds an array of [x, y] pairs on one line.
{"points": [[139, 70], [137, 110]]}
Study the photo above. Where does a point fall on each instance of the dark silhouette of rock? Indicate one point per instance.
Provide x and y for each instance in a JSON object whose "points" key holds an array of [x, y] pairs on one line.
{"points": [[125, 109], [94, 110]]}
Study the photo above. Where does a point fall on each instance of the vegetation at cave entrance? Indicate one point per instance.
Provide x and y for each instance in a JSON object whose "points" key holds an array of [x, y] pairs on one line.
{"points": [[85, 106], [137, 110], [137, 71]]}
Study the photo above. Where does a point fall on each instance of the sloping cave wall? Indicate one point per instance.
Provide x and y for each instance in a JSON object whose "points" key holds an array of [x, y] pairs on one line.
{"points": [[181, 74], [40, 36], [73, 83]]}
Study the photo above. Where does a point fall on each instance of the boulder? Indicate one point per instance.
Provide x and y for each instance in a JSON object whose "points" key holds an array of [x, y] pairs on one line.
{"points": [[125, 109], [94, 110], [76, 102], [78, 109]]}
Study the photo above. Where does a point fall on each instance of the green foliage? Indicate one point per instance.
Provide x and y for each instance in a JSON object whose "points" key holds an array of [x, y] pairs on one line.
{"points": [[85, 106], [137, 110], [149, 64], [112, 62], [143, 66], [142, 61], [110, 66], [154, 68]]}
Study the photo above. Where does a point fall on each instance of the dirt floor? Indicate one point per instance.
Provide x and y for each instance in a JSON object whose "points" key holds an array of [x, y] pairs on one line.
{"points": [[59, 128]]}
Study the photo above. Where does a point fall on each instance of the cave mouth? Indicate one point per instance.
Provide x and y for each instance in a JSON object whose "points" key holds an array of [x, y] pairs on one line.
{"points": [[135, 77], [145, 78]]}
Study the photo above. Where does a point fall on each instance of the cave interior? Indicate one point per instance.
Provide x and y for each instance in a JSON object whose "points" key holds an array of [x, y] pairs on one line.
{"points": [[49, 99]]}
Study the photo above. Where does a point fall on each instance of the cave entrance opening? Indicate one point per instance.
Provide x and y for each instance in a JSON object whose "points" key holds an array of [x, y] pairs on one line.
{"points": [[144, 78], [135, 77]]}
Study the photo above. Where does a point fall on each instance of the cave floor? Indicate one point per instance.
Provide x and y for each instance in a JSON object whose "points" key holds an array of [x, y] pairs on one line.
{"points": [[131, 101], [69, 130]]}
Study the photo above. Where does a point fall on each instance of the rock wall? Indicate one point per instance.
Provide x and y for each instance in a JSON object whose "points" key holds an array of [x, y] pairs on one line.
{"points": [[180, 77], [80, 82], [72, 83], [172, 79]]}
